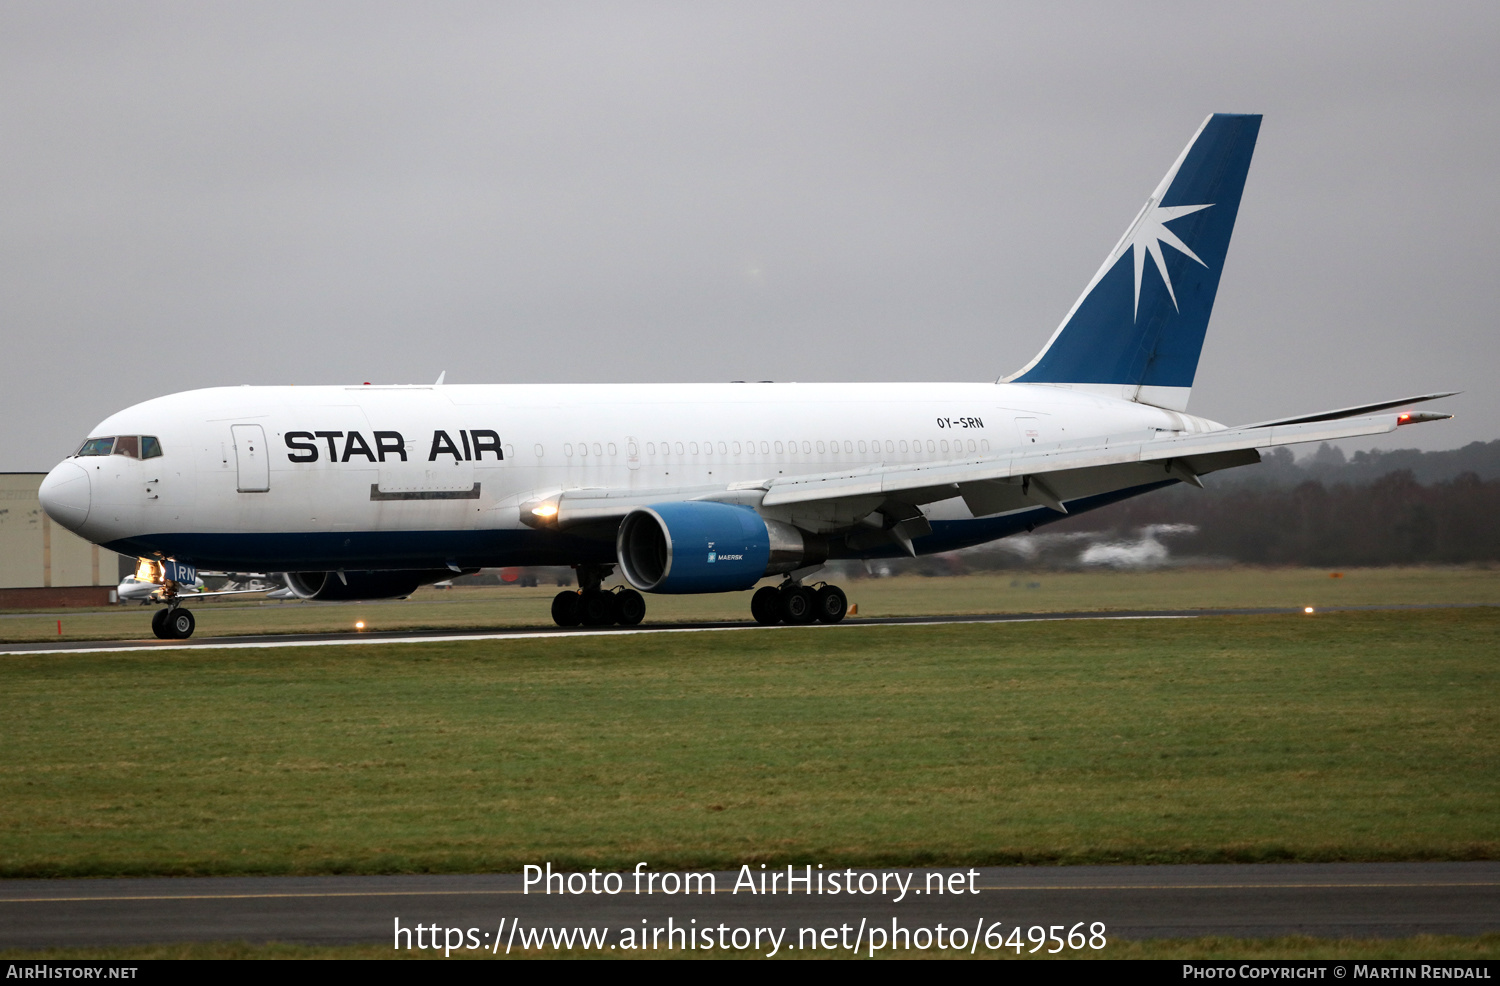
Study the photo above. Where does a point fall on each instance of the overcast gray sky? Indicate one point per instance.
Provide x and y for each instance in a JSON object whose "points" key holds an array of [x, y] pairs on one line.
{"points": [[196, 194]]}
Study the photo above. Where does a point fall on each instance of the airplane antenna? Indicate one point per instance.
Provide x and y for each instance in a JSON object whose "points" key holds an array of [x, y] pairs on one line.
{"points": [[440, 378]]}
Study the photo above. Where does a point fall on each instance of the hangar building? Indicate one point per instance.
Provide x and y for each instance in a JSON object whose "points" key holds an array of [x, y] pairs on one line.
{"points": [[43, 565]]}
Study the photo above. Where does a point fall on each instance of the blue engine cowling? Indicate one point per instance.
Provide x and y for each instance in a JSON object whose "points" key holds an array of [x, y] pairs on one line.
{"points": [[703, 546]]}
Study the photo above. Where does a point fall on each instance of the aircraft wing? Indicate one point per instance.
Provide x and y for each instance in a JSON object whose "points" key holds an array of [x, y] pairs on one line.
{"points": [[157, 587], [989, 485], [942, 478], [226, 592], [204, 595]]}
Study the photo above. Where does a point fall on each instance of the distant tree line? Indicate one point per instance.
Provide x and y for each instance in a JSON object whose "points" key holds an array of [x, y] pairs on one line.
{"points": [[1393, 521], [1329, 465], [1432, 508]]}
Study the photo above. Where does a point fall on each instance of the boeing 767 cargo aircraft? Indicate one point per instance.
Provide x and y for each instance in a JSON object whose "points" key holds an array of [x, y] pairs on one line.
{"points": [[371, 491]]}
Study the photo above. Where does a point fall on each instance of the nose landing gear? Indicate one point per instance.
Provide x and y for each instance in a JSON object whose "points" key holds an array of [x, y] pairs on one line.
{"points": [[798, 605], [173, 623]]}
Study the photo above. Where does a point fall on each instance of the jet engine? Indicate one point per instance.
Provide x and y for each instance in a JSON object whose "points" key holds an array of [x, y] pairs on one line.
{"points": [[359, 585], [704, 546]]}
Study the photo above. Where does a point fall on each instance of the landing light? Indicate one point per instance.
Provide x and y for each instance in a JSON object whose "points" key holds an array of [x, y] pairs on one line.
{"points": [[1307, 609], [360, 624], [545, 510]]}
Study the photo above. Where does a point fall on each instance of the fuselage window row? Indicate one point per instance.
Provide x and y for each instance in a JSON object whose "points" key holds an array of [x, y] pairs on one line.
{"points": [[725, 449]]}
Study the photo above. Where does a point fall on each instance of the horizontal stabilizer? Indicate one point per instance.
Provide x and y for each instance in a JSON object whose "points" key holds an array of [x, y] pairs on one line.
{"points": [[1350, 412]]}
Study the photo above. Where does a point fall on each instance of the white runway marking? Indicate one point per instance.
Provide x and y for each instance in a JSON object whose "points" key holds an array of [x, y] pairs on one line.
{"points": [[560, 634]]}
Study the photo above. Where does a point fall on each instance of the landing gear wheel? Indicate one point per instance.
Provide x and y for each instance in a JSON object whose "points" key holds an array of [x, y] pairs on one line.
{"points": [[630, 607], [179, 624], [830, 604], [596, 608], [159, 624], [797, 605], [566, 608], [765, 606]]}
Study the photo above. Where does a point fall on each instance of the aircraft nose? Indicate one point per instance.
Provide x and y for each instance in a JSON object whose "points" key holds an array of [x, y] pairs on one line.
{"points": [[65, 495]]}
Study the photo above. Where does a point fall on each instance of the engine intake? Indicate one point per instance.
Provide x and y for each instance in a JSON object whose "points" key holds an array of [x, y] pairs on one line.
{"points": [[703, 546]]}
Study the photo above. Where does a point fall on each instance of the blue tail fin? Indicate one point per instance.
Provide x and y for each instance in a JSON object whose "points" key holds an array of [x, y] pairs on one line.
{"points": [[1137, 330]]}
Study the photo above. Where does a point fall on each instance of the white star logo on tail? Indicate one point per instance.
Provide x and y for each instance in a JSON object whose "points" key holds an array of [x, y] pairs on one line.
{"points": [[1147, 236]]}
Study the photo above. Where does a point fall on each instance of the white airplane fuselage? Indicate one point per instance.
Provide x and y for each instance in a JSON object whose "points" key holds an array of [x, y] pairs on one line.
{"points": [[427, 477]]}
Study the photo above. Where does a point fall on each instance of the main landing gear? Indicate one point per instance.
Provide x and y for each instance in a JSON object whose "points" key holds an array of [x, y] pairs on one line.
{"points": [[798, 605], [598, 608], [173, 623], [591, 606]]}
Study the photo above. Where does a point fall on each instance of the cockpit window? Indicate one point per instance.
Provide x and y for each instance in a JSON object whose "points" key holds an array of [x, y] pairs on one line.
{"points": [[97, 446], [135, 446]]}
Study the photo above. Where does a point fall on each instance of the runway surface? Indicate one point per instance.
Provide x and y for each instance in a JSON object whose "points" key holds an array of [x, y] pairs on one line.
{"points": [[516, 633], [1334, 900]]}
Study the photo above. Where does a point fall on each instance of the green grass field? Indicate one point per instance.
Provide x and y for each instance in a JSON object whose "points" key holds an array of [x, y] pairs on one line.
{"points": [[903, 596], [1328, 737]]}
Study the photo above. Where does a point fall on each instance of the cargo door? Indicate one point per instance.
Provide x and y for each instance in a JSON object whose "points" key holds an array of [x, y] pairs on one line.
{"points": [[251, 458], [1030, 430], [440, 470]]}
